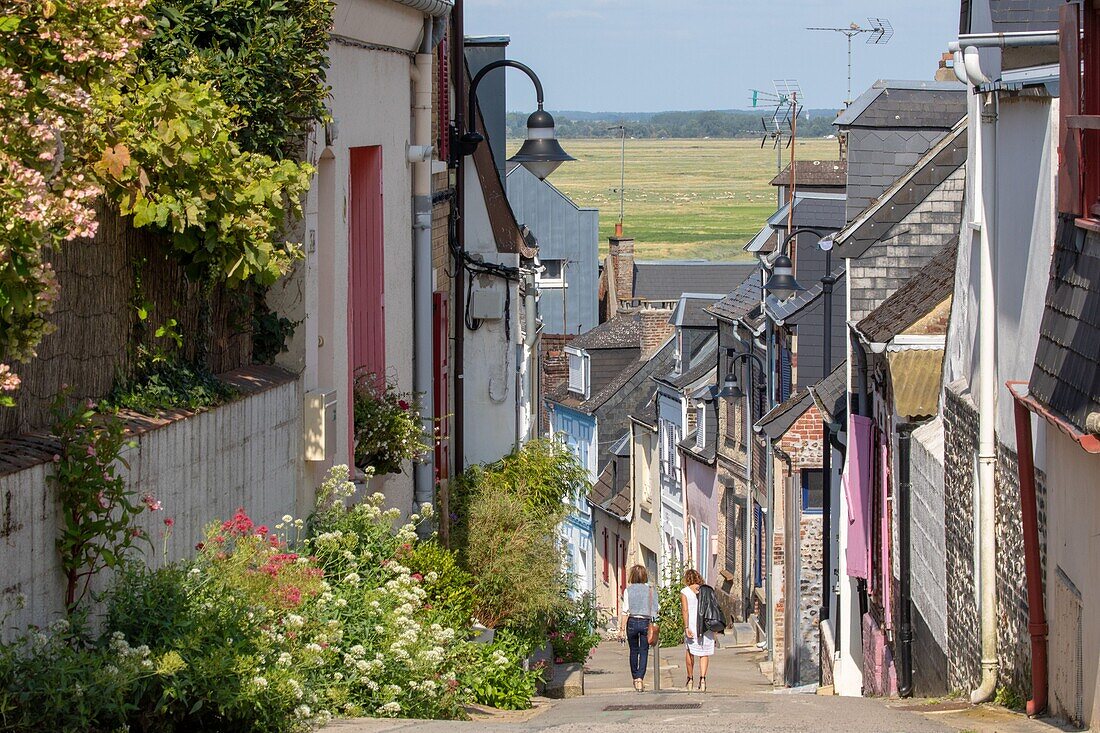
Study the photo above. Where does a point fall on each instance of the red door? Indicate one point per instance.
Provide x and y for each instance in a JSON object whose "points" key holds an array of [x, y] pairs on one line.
{"points": [[366, 271]]}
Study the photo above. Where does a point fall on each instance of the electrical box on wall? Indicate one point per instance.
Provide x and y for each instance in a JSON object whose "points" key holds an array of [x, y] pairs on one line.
{"points": [[320, 424], [487, 303]]}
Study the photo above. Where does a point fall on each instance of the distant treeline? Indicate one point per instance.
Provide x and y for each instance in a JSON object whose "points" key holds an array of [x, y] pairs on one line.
{"points": [[699, 124]]}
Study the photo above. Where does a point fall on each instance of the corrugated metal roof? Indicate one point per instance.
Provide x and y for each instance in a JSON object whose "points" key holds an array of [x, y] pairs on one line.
{"points": [[916, 376], [1066, 377], [913, 300], [814, 173]]}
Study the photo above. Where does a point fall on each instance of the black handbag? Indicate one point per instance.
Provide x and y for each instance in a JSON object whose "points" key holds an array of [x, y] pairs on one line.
{"points": [[710, 616]]}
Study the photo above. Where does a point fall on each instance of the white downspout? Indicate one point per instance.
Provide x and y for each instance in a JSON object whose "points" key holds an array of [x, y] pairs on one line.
{"points": [[420, 156], [985, 137], [528, 406]]}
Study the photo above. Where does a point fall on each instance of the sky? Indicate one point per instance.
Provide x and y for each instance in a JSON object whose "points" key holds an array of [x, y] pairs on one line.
{"points": [[655, 55]]}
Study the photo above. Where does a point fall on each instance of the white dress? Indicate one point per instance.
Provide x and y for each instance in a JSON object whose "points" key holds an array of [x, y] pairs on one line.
{"points": [[699, 647]]}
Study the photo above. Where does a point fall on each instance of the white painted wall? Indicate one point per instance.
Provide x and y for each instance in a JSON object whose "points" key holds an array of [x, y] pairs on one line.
{"points": [[244, 454]]}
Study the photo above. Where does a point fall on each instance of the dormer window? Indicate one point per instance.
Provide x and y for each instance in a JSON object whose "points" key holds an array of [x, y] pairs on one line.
{"points": [[578, 372], [553, 274]]}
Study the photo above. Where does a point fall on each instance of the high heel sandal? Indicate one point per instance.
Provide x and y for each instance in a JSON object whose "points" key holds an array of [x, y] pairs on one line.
{"points": [[689, 684], [702, 684]]}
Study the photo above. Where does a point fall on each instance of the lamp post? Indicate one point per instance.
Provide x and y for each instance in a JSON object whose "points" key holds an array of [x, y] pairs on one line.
{"points": [[731, 389], [783, 284], [540, 153]]}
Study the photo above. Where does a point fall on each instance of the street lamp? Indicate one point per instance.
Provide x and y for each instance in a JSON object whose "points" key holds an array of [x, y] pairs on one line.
{"points": [[540, 153], [782, 283]]}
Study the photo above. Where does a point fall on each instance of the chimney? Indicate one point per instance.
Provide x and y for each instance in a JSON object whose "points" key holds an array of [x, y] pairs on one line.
{"points": [[945, 71], [655, 329], [622, 255]]}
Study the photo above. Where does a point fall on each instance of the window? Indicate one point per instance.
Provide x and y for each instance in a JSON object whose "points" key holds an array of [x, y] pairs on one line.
{"points": [[813, 485], [701, 426], [704, 551], [578, 371], [553, 274], [758, 545]]}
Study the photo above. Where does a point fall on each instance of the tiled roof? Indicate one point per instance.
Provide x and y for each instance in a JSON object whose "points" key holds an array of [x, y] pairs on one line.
{"points": [[904, 195], [814, 173], [639, 406], [611, 492], [621, 332], [913, 300], [823, 211], [670, 279], [916, 376], [912, 104], [704, 363], [740, 302], [831, 394], [1066, 377], [781, 417]]}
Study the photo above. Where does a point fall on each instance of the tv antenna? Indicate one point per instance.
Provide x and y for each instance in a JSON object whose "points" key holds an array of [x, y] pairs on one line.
{"points": [[785, 99], [878, 33], [621, 190]]}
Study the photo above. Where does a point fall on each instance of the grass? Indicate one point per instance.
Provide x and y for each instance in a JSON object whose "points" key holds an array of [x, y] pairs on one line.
{"points": [[685, 199]]}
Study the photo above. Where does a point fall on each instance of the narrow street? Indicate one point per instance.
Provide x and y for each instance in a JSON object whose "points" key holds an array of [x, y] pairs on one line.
{"points": [[738, 698]]}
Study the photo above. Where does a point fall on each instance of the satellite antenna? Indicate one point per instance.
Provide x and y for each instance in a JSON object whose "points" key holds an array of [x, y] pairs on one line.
{"points": [[622, 176], [878, 33]]}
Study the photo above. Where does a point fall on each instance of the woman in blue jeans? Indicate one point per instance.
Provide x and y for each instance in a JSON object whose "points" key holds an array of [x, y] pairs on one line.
{"points": [[639, 609]]}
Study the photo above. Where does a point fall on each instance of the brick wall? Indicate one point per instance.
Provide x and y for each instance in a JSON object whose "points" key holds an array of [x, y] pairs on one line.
{"points": [[963, 623], [554, 368]]}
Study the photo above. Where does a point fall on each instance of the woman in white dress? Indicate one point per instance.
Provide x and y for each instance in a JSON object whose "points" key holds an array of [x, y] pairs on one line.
{"points": [[697, 645]]}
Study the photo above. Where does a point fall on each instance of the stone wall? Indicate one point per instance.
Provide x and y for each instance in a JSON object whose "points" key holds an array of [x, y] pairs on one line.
{"points": [[928, 561], [964, 627], [202, 467]]}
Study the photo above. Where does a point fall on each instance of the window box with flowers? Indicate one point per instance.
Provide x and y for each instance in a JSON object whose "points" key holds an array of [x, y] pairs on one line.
{"points": [[388, 426]]}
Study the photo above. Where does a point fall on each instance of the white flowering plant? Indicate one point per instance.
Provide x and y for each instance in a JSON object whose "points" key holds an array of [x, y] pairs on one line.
{"points": [[387, 423]]}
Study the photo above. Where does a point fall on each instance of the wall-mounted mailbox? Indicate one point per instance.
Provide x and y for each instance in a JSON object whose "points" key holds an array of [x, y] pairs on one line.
{"points": [[320, 424]]}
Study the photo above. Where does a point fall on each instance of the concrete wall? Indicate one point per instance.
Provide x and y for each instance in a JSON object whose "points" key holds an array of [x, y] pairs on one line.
{"points": [[645, 535], [201, 467], [1073, 579], [928, 563]]}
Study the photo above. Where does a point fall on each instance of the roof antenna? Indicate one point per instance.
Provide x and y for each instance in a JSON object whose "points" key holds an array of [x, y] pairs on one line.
{"points": [[880, 32], [622, 179], [786, 99]]}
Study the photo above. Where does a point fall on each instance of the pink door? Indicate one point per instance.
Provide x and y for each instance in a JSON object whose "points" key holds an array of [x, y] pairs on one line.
{"points": [[366, 272]]}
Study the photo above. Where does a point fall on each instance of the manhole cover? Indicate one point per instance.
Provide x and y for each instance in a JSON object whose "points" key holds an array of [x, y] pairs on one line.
{"points": [[654, 706]]}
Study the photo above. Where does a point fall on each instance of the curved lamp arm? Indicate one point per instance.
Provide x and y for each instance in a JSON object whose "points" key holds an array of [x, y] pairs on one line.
{"points": [[497, 65], [734, 356], [795, 232]]}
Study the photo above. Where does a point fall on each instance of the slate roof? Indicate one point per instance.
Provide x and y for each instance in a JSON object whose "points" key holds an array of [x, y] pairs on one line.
{"points": [[621, 332], [820, 210], [670, 279], [1066, 377], [783, 311], [781, 417], [1014, 16], [740, 302], [904, 195], [913, 300], [907, 104], [819, 173], [692, 311], [831, 394], [708, 452], [704, 363], [611, 491], [639, 407]]}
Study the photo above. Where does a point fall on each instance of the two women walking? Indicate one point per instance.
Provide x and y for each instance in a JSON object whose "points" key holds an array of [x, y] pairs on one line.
{"points": [[637, 624]]}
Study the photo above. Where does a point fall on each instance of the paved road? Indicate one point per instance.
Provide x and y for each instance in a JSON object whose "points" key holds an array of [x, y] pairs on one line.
{"points": [[738, 699]]}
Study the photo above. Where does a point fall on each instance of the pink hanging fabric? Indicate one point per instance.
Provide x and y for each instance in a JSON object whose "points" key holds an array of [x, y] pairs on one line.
{"points": [[857, 494]]}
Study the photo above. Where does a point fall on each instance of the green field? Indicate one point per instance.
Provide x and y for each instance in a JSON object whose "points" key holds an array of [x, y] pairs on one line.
{"points": [[684, 198]]}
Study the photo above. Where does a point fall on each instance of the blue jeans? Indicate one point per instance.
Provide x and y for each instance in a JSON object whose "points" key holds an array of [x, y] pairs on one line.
{"points": [[637, 630]]}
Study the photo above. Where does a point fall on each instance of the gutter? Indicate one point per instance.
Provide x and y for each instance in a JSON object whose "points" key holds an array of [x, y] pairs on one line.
{"points": [[1089, 443], [434, 8]]}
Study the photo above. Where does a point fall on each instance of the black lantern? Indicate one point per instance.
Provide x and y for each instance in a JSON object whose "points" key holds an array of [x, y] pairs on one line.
{"points": [[782, 284], [541, 153]]}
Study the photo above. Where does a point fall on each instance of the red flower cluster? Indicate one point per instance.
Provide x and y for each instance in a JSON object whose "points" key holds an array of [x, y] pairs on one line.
{"points": [[240, 524], [275, 563]]}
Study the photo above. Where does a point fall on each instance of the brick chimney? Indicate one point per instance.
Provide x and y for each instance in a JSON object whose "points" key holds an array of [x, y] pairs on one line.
{"points": [[655, 329], [555, 369], [945, 72], [622, 257]]}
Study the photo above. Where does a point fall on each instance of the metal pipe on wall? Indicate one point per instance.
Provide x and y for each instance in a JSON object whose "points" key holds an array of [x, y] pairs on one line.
{"points": [[458, 69], [905, 517], [420, 156], [1037, 620]]}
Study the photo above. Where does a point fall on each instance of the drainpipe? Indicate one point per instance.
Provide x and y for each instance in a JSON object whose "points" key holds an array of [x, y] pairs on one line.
{"points": [[769, 487], [1037, 620], [905, 516], [526, 375], [420, 156], [458, 69], [863, 401], [984, 136]]}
